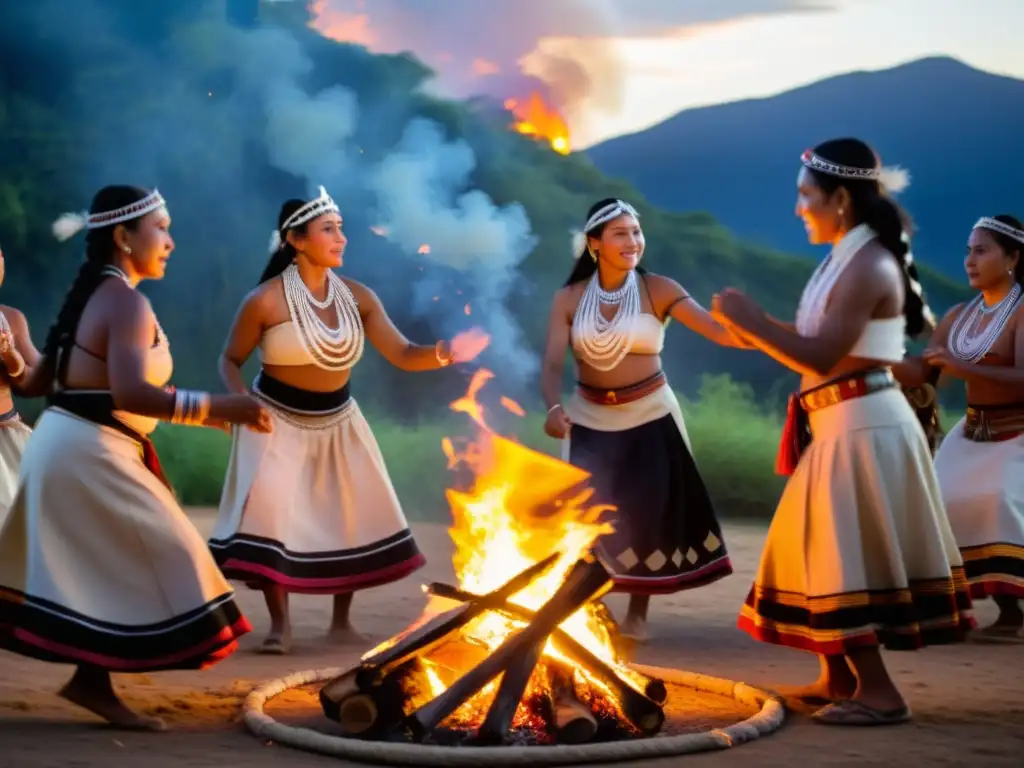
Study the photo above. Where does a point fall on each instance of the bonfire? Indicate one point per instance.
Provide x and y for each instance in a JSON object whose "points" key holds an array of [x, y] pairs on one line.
{"points": [[520, 649]]}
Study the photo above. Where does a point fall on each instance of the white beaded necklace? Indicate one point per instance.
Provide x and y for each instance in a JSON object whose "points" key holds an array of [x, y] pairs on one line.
{"points": [[605, 343], [970, 347], [111, 271], [332, 349], [811, 309]]}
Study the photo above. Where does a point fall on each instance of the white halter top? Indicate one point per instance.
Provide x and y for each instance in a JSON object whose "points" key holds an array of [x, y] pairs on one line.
{"points": [[883, 339]]}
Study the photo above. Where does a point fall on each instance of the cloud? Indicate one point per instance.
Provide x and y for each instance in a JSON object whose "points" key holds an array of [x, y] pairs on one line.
{"points": [[564, 48]]}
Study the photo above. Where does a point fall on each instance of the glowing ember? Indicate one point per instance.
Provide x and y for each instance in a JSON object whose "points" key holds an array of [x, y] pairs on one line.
{"points": [[537, 118], [512, 406], [424, 249]]}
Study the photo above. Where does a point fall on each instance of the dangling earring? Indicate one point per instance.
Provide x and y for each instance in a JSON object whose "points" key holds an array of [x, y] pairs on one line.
{"points": [[127, 250], [593, 253]]}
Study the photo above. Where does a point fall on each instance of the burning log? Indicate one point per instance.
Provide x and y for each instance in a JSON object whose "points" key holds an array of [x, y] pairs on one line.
{"points": [[571, 720], [584, 581], [421, 640], [654, 690], [510, 693], [376, 710]]}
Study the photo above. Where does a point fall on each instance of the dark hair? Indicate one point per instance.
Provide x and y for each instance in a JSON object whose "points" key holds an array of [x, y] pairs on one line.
{"points": [[586, 266], [1009, 244], [872, 206], [99, 253], [285, 255]]}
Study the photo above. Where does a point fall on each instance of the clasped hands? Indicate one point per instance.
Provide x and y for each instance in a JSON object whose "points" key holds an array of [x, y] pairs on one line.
{"points": [[735, 311]]}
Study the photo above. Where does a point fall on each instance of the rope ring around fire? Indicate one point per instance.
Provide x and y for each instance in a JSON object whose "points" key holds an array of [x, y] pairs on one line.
{"points": [[768, 719]]}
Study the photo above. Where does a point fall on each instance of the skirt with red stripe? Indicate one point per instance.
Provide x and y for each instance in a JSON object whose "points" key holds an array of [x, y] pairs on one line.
{"points": [[982, 484], [860, 552], [100, 566], [310, 506]]}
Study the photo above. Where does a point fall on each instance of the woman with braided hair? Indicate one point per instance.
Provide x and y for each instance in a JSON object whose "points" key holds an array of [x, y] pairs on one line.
{"points": [[860, 554], [310, 508], [99, 566], [981, 461], [17, 357]]}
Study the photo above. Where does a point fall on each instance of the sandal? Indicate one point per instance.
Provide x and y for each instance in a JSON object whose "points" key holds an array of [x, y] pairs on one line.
{"points": [[1001, 633], [849, 712], [273, 646]]}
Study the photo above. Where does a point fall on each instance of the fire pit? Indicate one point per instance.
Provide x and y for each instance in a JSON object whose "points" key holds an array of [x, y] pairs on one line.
{"points": [[520, 654]]}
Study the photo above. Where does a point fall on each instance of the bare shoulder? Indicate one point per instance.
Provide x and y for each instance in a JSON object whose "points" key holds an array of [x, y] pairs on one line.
{"points": [[264, 296], [662, 288], [362, 292], [876, 261], [14, 316], [568, 297]]}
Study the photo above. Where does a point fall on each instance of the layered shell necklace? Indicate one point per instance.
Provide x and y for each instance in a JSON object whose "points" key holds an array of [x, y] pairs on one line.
{"points": [[604, 343], [331, 349], [967, 341]]}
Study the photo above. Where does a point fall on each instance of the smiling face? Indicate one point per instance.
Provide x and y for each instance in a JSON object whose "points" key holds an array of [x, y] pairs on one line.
{"points": [[819, 211], [988, 265], [621, 243], [148, 245], [323, 242]]}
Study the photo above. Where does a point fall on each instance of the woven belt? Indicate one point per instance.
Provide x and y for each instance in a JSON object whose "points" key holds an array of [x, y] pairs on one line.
{"points": [[848, 388], [622, 395], [994, 423]]}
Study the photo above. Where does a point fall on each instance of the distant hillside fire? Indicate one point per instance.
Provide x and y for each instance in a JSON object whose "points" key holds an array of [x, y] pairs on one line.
{"points": [[536, 118]]}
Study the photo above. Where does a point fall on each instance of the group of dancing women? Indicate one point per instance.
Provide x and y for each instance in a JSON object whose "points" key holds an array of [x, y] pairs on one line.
{"points": [[874, 543]]}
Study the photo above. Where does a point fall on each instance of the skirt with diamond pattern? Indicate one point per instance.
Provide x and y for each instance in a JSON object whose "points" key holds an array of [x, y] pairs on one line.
{"points": [[667, 537]]}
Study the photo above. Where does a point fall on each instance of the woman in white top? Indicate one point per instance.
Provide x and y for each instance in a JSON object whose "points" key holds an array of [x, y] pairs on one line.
{"points": [[310, 508], [980, 463], [18, 356], [623, 423], [860, 554], [99, 566]]}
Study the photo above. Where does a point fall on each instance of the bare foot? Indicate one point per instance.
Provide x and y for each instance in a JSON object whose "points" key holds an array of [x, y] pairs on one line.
{"points": [[635, 628], [110, 708], [346, 636]]}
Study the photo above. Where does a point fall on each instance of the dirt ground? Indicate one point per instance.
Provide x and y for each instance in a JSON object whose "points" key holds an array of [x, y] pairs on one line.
{"points": [[967, 700]]}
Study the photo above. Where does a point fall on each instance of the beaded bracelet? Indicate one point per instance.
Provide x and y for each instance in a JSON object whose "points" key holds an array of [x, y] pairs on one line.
{"points": [[190, 407]]}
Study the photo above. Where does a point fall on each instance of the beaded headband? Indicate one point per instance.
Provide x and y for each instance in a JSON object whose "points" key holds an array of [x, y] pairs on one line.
{"points": [[986, 222], [893, 178], [316, 207], [601, 216], [70, 224]]}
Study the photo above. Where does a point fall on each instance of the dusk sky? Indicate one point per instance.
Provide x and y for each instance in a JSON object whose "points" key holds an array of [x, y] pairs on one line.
{"points": [[617, 66]]}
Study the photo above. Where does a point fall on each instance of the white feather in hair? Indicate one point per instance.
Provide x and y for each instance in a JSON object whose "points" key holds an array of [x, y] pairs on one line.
{"points": [[68, 225], [275, 241], [579, 243], [894, 179]]}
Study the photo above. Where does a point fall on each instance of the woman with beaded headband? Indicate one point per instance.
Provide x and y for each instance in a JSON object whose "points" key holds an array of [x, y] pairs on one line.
{"points": [[980, 463], [99, 566], [310, 508], [17, 357], [859, 554], [623, 423]]}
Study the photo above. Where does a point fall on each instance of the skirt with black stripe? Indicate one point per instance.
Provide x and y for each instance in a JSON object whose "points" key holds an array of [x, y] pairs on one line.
{"points": [[100, 566], [310, 506], [667, 537]]}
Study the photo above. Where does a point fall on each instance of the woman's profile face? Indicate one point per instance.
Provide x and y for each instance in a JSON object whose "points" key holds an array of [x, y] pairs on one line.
{"points": [[150, 244], [621, 244], [818, 211]]}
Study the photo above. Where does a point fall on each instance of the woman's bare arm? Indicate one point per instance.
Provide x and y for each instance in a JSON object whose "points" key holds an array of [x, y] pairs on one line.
{"points": [[128, 346], [553, 366], [392, 344], [246, 331]]}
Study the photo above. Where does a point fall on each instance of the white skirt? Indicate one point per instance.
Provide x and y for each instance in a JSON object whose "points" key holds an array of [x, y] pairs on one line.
{"points": [[310, 507], [860, 552], [14, 434], [983, 489], [100, 566]]}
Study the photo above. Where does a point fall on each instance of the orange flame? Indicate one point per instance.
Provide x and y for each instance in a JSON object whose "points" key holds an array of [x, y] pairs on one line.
{"points": [[522, 506], [537, 118], [512, 406]]}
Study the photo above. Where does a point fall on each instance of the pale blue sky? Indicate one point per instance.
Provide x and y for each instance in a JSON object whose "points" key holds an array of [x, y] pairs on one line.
{"points": [[617, 66]]}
